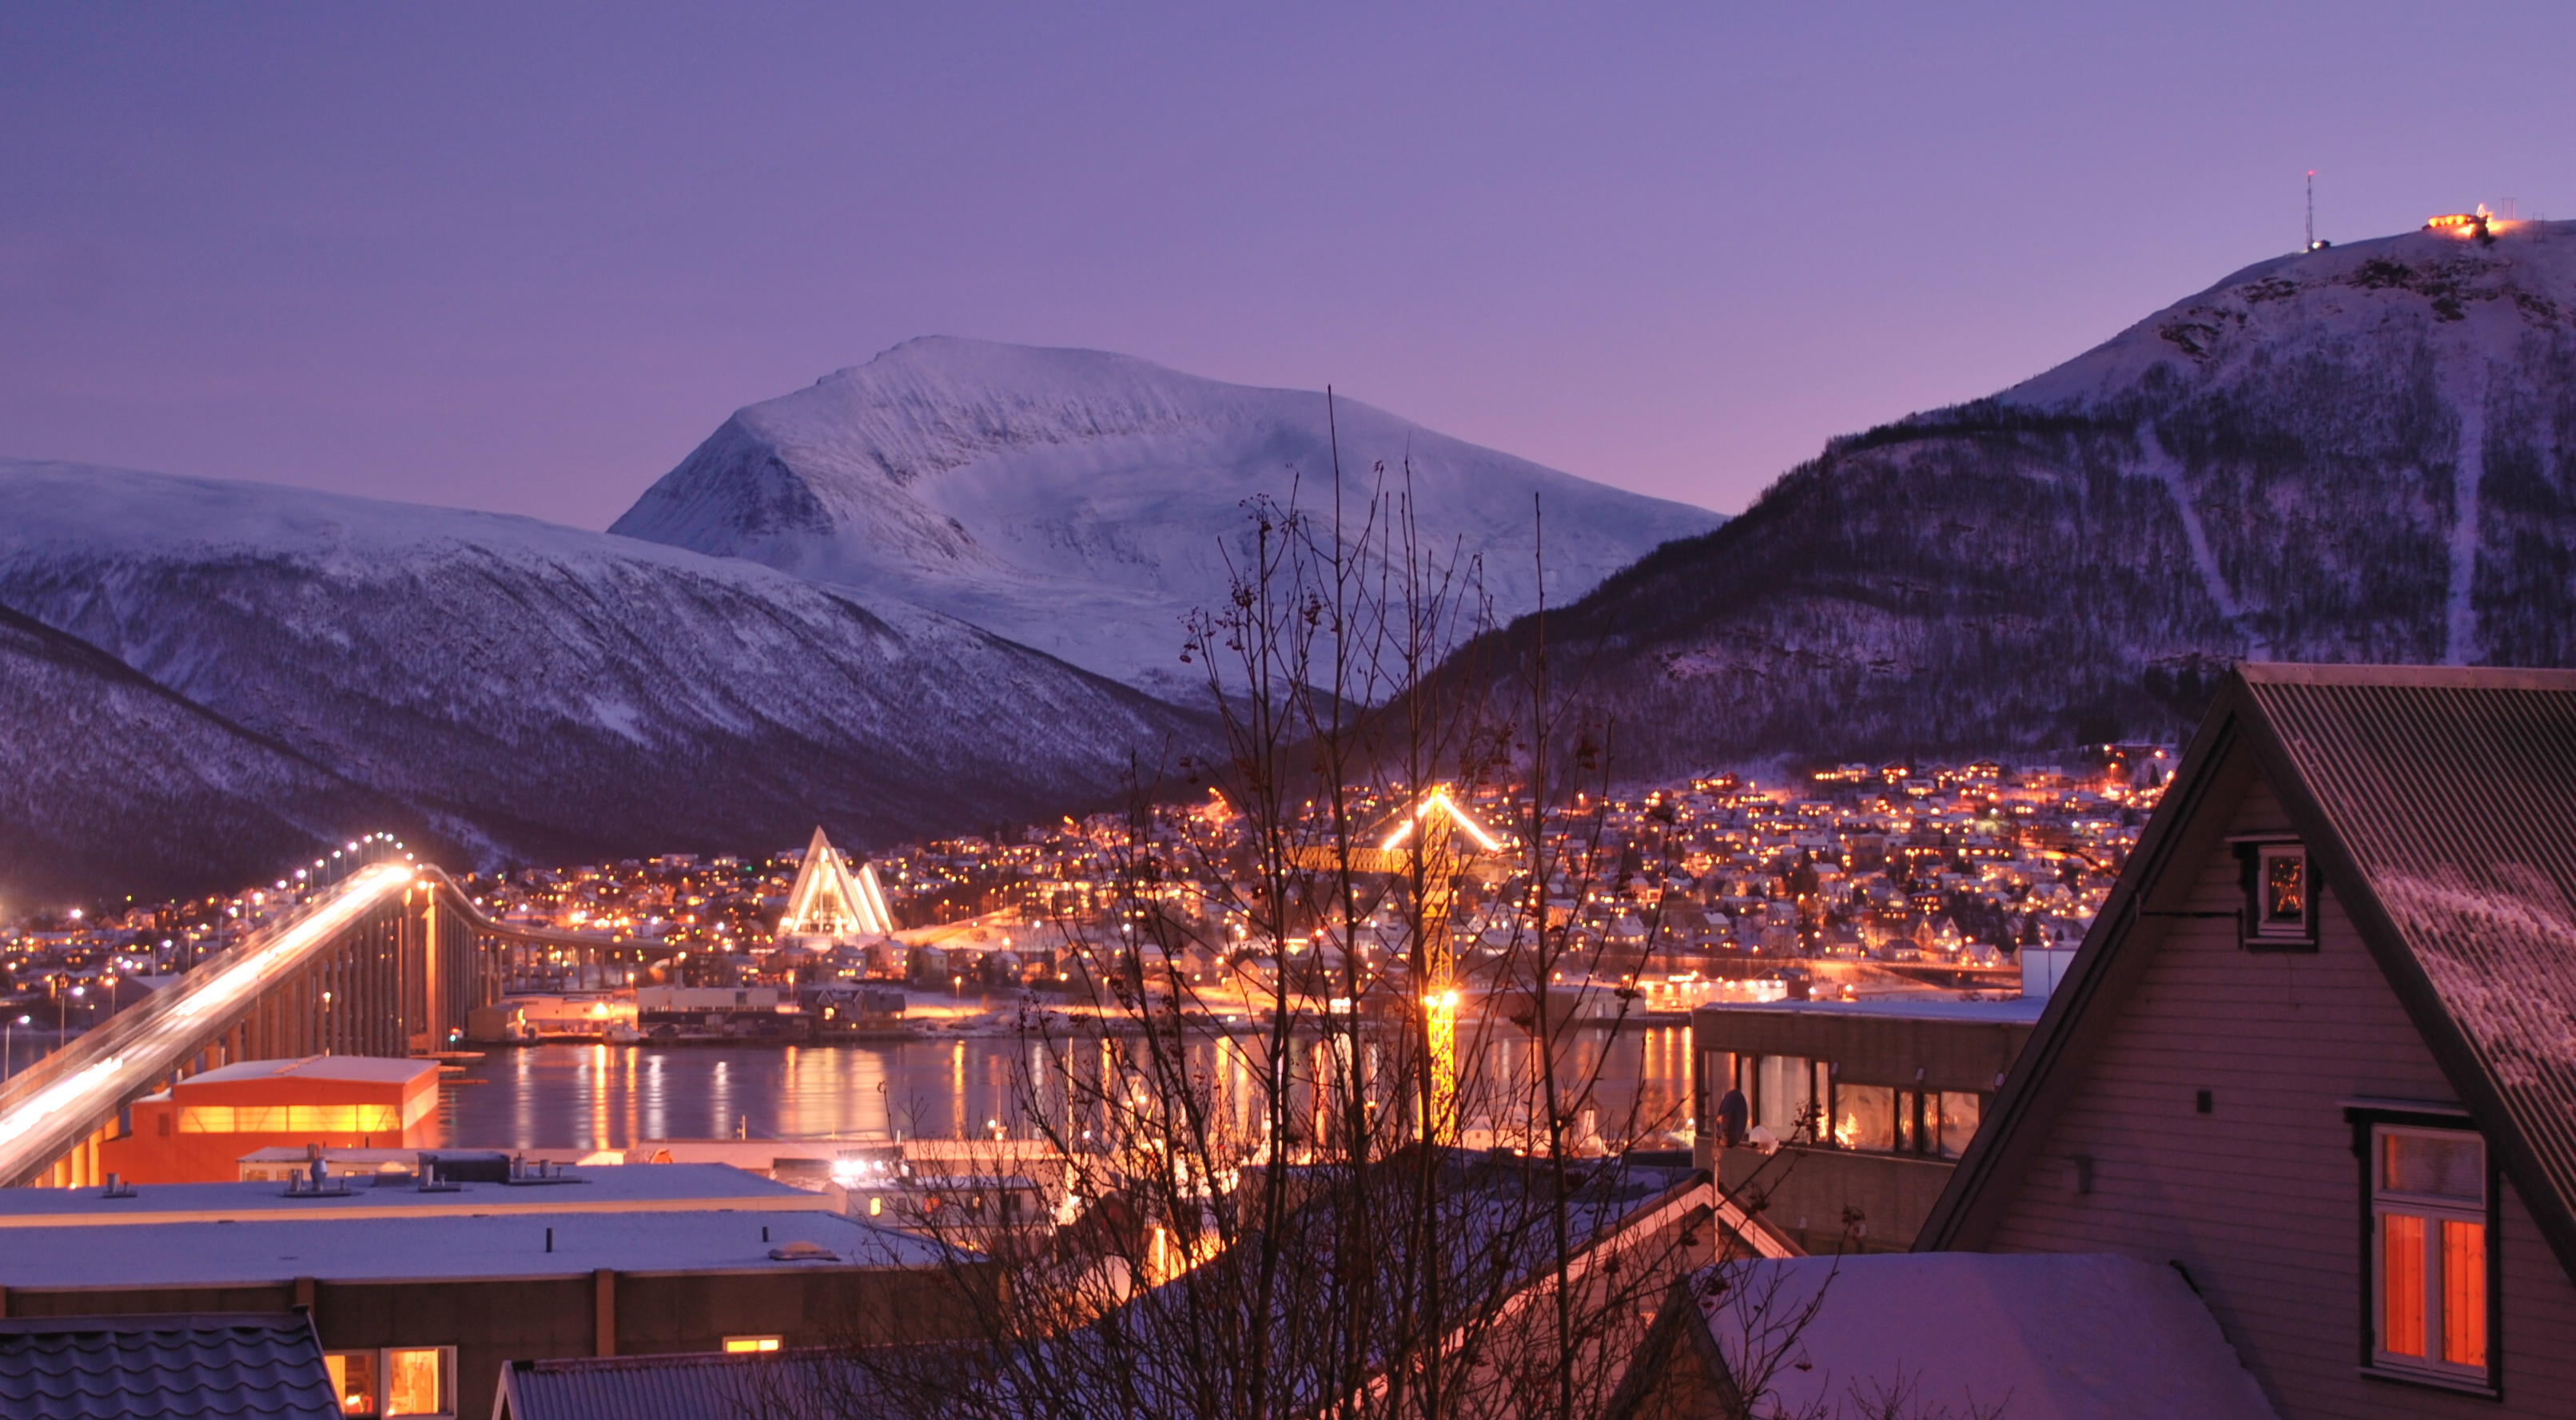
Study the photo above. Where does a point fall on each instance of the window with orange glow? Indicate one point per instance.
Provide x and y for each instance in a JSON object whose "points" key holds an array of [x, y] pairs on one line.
{"points": [[2464, 1293], [353, 1380], [2430, 1210], [743, 1345], [416, 1381], [1788, 1093], [1865, 1117], [2401, 1285], [2280, 890], [289, 1119]]}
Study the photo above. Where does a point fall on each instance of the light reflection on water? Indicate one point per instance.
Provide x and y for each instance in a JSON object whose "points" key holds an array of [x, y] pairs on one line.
{"points": [[612, 1096]]}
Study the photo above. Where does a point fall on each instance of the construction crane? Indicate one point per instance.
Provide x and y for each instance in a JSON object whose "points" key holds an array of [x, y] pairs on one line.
{"points": [[1433, 843]]}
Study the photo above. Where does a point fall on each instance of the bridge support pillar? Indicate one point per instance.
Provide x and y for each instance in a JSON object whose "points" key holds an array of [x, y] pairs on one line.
{"points": [[434, 1019]]}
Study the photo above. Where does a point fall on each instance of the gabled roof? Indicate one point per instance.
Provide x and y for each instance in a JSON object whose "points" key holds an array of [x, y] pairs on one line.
{"points": [[179, 1367], [2437, 803]]}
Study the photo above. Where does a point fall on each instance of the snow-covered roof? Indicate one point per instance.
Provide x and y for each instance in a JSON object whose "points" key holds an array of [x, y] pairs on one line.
{"points": [[2004, 1010], [623, 1188], [2059, 1336], [349, 1069], [446, 1246]]}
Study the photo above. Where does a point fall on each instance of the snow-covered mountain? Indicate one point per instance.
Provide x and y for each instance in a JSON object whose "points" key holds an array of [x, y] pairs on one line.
{"points": [[529, 691], [2361, 453], [1083, 503]]}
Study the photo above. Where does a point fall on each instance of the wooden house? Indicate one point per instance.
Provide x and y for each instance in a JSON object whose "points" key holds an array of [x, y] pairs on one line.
{"points": [[2318, 1052]]}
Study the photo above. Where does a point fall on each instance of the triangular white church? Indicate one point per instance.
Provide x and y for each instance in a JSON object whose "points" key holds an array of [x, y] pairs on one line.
{"points": [[829, 900]]}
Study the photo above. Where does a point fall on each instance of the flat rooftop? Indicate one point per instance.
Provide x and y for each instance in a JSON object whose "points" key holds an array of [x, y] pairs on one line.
{"points": [[444, 1247], [623, 1188], [346, 1069], [2008, 1010]]}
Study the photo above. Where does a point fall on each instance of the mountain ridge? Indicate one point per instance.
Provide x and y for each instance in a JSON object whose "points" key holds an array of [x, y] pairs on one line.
{"points": [[2367, 452], [538, 693], [1085, 502]]}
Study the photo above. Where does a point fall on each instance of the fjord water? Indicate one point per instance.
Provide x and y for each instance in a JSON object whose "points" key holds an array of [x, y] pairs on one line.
{"points": [[567, 1096]]}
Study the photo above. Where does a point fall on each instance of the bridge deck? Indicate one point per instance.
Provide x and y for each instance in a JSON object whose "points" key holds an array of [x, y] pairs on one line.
{"points": [[50, 1106]]}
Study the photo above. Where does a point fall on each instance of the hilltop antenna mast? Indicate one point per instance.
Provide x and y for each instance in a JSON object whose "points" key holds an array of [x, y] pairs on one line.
{"points": [[2312, 210]]}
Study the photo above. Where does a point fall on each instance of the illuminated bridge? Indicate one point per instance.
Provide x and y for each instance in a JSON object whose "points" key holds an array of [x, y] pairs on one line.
{"points": [[386, 961]]}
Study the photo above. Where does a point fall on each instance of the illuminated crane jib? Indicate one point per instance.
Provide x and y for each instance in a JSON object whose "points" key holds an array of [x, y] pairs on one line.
{"points": [[1431, 844]]}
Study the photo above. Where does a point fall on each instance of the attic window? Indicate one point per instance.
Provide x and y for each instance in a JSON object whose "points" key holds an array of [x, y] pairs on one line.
{"points": [[2280, 896]]}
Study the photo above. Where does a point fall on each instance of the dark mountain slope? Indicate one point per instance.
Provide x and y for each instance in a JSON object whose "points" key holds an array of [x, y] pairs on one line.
{"points": [[545, 694], [111, 785], [2358, 454]]}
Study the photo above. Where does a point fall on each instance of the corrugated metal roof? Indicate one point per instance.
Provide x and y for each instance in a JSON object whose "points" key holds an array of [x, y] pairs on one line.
{"points": [[205, 1367], [788, 1385], [2452, 792], [2441, 804]]}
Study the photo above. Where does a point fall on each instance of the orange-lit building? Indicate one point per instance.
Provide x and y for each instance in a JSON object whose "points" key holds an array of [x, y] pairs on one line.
{"points": [[198, 1130]]}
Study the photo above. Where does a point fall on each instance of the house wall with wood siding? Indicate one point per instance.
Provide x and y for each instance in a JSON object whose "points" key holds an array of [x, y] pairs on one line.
{"points": [[2261, 1200]]}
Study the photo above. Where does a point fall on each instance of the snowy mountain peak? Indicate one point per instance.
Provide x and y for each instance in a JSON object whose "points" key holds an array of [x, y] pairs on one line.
{"points": [[2456, 294], [938, 402], [1081, 501]]}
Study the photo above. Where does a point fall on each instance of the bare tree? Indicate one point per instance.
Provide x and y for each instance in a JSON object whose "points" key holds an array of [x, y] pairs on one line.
{"points": [[1335, 1111]]}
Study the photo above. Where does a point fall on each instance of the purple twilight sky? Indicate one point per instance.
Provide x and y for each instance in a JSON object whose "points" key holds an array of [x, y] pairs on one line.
{"points": [[524, 257]]}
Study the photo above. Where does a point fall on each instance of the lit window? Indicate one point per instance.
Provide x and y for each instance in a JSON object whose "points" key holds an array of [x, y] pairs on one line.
{"points": [[416, 1381], [1865, 1117], [1960, 1112], [743, 1345], [353, 1380], [1787, 1092], [2429, 1276], [2280, 895]]}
